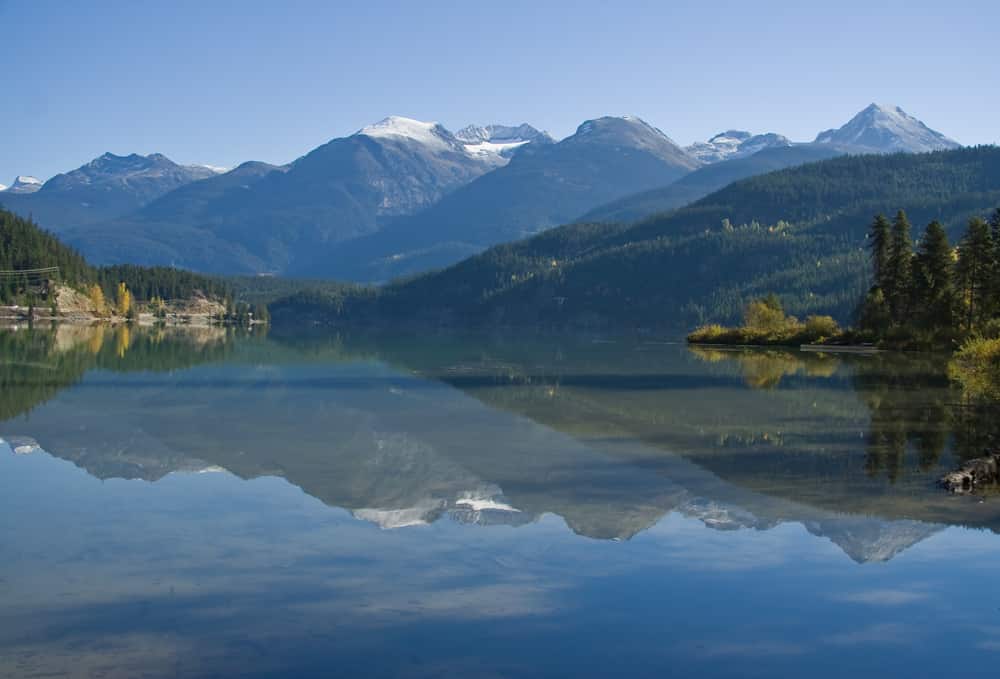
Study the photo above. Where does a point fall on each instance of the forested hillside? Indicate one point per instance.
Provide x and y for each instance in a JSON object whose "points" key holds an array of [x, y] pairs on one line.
{"points": [[706, 180], [799, 232], [33, 262], [25, 249]]}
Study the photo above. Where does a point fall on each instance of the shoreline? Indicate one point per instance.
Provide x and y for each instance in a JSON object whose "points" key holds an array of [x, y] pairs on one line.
{"points": [[7, 319]]}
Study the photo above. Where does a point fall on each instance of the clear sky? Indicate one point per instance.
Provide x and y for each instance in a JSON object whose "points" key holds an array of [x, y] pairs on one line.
{"points": [[222, 82]]}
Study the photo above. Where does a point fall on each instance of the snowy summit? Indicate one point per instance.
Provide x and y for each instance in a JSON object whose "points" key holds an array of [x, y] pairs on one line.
{"points": [[431, 135], [24, 184], [886, 129]]}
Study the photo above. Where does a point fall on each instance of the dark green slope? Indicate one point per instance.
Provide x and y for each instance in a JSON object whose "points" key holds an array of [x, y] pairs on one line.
{"points": [[799, 232], [705, 180], [24, 246]]}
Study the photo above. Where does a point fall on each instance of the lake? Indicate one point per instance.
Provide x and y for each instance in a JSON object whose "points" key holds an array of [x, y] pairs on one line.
{"points": [[201, 502]]}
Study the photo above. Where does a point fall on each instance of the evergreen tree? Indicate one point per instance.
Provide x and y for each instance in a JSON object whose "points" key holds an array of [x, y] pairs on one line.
{"points": [[879, 240], [975, 269], [874, 314], [933, 289], [899, 274], [994, 292]]}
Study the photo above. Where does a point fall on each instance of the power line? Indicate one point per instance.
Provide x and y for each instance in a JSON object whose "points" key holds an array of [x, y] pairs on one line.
{"points": [[22, 272]]}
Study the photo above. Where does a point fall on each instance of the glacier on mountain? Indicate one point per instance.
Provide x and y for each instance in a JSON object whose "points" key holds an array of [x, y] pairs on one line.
{"points": [[733, 144]]}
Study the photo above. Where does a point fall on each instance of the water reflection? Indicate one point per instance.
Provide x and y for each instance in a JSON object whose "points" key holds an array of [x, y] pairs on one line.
{"points": [[151, 484], [609, 436]]}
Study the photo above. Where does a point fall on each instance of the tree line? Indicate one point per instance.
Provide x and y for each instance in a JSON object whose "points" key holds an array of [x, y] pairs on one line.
{"points": [[32, 260], [932, 293]]}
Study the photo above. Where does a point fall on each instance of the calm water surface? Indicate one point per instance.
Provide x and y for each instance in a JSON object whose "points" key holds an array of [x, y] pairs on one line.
{"points": [[197, 503]]}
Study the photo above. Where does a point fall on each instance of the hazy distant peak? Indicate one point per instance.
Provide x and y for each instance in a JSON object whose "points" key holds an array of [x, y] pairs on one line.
{"points": [[110, 162], [110, 168]]}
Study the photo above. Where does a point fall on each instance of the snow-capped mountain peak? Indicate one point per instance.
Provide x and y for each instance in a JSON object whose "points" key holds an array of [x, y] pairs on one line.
{"points": [[24, 184], [735, 144], [429, 134], [886, 129]]}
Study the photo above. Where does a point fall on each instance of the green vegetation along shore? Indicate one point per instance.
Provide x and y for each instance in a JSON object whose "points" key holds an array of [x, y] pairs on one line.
{"points": [[42, 278], [931, 297]]}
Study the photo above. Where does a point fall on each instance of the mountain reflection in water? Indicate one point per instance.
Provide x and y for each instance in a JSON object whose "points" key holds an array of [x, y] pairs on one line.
{"points": [[204, 502], [609, 436]]}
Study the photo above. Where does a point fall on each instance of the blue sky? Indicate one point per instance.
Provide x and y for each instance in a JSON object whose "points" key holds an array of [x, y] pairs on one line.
{"points": [[222, 82]]}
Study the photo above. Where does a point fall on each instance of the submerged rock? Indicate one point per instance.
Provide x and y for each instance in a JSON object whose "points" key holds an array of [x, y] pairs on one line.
{"points": [[974, 474]]}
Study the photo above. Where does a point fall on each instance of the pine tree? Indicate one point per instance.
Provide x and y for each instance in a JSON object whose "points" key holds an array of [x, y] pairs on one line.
{"points": [[933, 289], [974, 272], [994, 292], [899, 268], [879, 235]]}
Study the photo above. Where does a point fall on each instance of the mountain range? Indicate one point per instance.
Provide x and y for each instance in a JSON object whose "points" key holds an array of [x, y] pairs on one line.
{"points": [[541, 187], [403, 196], [799, 232]]}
